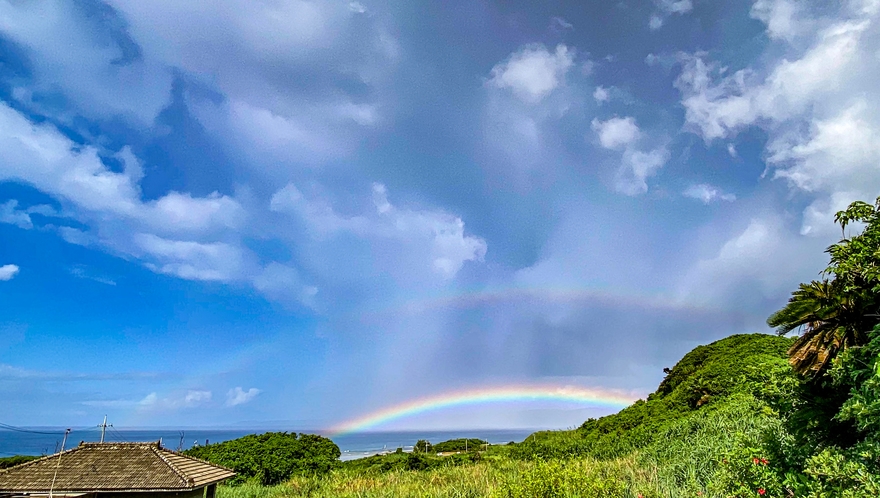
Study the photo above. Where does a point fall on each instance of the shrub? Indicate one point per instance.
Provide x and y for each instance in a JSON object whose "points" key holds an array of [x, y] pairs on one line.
{"points": [[272, 457]]}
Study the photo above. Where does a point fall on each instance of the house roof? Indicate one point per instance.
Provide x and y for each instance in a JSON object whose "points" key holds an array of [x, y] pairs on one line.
{"points": [[112, 467]]}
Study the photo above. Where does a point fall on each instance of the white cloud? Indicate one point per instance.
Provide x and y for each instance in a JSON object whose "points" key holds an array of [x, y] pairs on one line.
{"points": [[533, 72], [817, 104], [149, 400], [601, 94], [7, 272], [176, 401], [238, 396], [616, 133], [9, 213], [667, 8], [731, 149], [66, 51], [283, 283], [193, 398], [190, 260], [435, 238], [122, 64], [655, 23], [21, 217], [560, 24], [760, 262], [82, 272], [250, 51], [171, 234], [718, 109], [357, 7], [707, 193], [676, 6], [779, 16], [637, 164]]}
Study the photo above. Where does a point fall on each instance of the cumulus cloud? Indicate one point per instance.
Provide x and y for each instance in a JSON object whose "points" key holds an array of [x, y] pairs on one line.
{"points": [[533, 72], [171, 234], [176, 401], [10, 214], [667, 8], [434, 238], [676, 6], [637, 164], [779, 16], [616, 132], [759, 264], [238, 396], [121, 64], [601, 94], [283, 283], [707, 193], [100, 74], [655, 23], [8, 272], [250, 52], [817, 105]]}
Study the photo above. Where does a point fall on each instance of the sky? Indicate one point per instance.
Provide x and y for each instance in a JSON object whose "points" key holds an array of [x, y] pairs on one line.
{"points": [[298, 212]]}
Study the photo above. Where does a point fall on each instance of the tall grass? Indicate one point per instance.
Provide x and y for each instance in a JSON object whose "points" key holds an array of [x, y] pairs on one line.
{"points": [[501, 479], [682, 460]]}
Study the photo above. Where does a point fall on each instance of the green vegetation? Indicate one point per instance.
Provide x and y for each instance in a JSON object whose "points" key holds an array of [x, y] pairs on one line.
{"points": [[273, 457], [748, 415], [12, 461], [461, 444]]}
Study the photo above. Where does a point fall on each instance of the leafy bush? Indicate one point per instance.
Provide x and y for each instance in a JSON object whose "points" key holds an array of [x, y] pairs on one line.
{"points": [[272, 457], [423, 446], [705, 378], [461, 444]]}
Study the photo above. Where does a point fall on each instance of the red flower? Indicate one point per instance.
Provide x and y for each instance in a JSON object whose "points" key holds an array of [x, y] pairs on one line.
{"points": [[755, 460], [764, 461], [761, 491]]}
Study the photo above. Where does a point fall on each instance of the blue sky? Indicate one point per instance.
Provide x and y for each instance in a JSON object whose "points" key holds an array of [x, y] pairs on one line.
{"points": [[300, 211]]}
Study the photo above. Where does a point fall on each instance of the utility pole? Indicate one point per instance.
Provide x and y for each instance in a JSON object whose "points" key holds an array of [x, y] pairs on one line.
{"points": [[104, 427], [58, 463]]}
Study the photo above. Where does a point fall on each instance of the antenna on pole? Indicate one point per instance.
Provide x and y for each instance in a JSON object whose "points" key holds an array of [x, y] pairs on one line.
{"points": [[58, 463], [104, 427]]}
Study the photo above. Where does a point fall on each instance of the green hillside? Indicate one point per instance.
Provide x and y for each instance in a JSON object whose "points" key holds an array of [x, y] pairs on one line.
{"points": [[706, 381]]}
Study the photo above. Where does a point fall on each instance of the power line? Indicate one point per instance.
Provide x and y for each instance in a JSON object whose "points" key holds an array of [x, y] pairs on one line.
{"points": [[21, 429], [118, 434]]}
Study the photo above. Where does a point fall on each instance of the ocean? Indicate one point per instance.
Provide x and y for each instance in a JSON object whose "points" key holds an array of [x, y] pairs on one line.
{"points": [[44, 441]]}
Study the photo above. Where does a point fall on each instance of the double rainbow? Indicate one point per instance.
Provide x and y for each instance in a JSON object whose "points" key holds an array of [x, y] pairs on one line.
{"points": [[601, 398]]}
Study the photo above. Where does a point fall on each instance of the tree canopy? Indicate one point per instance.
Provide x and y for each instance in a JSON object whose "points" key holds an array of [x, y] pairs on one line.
{"points": [[839, 311], [272, 457]]}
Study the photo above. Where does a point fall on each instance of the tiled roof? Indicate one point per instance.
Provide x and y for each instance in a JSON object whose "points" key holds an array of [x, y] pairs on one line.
{"points": [[113, 467]]}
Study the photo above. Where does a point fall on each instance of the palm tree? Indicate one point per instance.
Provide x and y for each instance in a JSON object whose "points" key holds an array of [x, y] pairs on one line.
{"points": [[832, 320]]}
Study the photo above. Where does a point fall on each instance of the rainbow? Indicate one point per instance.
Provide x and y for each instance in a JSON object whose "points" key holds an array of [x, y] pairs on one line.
{"points": [[580, 395]]}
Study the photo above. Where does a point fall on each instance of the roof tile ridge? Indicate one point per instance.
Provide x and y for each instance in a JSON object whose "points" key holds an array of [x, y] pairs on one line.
{"points": [[38, 460], [184, 479], [206, 462]]}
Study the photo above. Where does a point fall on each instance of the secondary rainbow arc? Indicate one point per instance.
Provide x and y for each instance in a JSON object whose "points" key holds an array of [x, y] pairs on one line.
{"points": [[595, 397]]}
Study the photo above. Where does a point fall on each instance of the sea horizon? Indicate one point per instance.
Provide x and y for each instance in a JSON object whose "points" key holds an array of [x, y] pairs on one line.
{"points": [[44, 440]]}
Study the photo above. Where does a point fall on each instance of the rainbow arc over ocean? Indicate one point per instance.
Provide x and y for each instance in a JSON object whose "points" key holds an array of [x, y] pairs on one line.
{"points": [[594, 397]]}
